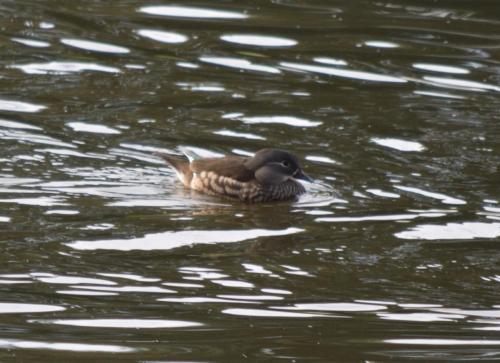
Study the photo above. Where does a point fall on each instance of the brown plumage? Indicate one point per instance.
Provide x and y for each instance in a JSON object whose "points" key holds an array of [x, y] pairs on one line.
{"points": [[269, 175]]}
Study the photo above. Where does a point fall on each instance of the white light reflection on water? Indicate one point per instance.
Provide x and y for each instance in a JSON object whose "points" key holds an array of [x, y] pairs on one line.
{"points": [[92, 128], [462, 84], [242, 152], [345, 73], [321, 159], [40, 201], [286, 120], [200, 87], [398, 144], [440, 68], [387, 217], [255, 269], [380, 44], [488, 328], [234, 283], [238, 134], [423, 341], [170, 240], [121, 323], [339, 307], [61, 68], [381, 193], [69, 280], [142, 289], [57, 185], [183, 285], [14, 282], [420, 317], [17, 125], [331, 61], [270, 313], [493, 313], [98, 227], [259, 40], [417, 305], [46, 25], [442, 197], [239, 64], [130, 277], [85, 293], [201, 273], [439, 94], [9, 181], [163, 36], [16, 308], [94, 46], [31, 42], [188, 65], [294, 270], [276, 291], [135, 66], [251, 297], [71, 347], [66, 152], [455, 231], [22, 136], [65, 212], [18, 106], [191, 12], [203, 300]]}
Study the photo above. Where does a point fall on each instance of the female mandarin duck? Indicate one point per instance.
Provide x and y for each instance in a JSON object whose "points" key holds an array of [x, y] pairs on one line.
{"points": [[269, 175]]}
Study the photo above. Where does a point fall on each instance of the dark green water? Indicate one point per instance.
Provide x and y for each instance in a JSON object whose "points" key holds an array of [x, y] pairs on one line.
{"points": [[393, 107]]}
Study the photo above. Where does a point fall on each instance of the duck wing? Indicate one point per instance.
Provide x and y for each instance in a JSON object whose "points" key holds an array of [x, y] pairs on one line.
{"points": [[230, 166]]}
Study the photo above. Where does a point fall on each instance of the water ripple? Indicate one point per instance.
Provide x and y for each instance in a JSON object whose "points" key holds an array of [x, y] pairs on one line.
{"points": [[63, 67], [258, 40], [93, 128], [170, 240], [239, 64], [398, 144], [462, 84], [95, 46], [191, 12], [122, 323], [440, 68], [70, 347], [454, 231], [18, 106], [345, 73], [16, 308], [163, 36], [31, 42]]}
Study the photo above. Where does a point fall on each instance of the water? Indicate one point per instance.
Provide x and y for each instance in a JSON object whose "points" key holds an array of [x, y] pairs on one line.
{"points": [[391, 255]]}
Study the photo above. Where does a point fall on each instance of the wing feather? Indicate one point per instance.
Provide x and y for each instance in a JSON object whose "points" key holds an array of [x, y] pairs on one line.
{"points": [[229, 166]]}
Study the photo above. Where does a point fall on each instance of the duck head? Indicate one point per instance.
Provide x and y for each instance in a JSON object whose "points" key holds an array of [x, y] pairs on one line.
{"points": [[274, 166]]}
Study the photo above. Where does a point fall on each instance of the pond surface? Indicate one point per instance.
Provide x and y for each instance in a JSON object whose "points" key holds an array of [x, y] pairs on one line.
{"points": [[393, 108]]}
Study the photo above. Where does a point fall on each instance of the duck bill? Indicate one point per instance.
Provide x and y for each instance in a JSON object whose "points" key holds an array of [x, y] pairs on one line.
{"points": [[301, 176]]}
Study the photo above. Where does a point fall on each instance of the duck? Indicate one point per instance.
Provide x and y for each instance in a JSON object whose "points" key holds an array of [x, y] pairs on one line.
{"points": [[269, 175]]}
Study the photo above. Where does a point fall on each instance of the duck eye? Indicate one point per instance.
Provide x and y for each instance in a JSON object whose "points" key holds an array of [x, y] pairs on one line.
{"points": [[285, 163]]}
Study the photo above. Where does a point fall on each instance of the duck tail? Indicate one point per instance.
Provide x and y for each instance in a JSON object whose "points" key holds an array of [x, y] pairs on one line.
{"points": [[181, 166]]}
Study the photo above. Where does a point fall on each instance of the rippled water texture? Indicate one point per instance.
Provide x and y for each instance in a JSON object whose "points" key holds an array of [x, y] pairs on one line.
{"points": [[393, 108]]}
